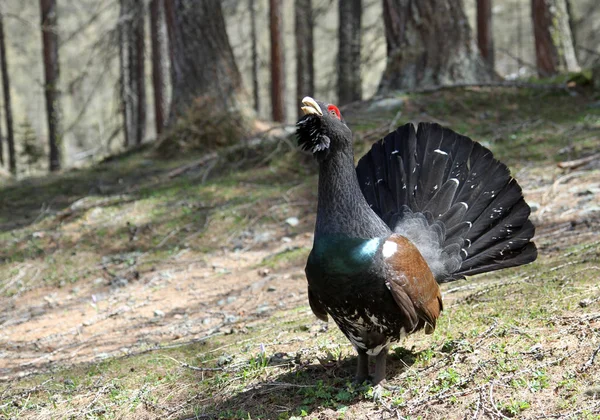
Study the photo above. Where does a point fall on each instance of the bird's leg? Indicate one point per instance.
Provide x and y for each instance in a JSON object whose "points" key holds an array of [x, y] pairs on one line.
{"points": [[380, 361], [362, 368]]}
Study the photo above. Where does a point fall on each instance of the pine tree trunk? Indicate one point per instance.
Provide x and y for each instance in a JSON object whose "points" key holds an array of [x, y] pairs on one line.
{"points": [[349, 81], [10, 137], [203, 68], [305, 69], [139, 66], [51, 87], [126, 76], [554, 49], [254, 46], [158, 37], [277, 61], [419, 56], [485, 33], [131, 55]]}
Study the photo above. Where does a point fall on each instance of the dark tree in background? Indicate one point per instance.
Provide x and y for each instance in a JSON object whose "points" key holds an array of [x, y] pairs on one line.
{"points": [[485, 33], [254, 46], [349, 81], [138, 59], [202, 67], [305, 68], [429, 43], [277, 61], [159, 41], [554, 49], [52, 73], [131, 55], [10, 136]]}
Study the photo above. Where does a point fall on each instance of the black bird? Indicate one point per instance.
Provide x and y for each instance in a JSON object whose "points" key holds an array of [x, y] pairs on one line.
{"points": [[422, 207]]}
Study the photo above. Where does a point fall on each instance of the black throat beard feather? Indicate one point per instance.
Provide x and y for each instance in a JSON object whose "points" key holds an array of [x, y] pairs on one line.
{"points": [[310, 136]]}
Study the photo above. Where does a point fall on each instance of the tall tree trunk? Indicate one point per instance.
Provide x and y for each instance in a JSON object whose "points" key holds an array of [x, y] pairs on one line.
{"points": [[1, 146], [554, 49], [485, 33], [277, 61], [254, 42], [125, 42], [51, 87], [429, 43], [203, 68], [158, 35], [140, 73], [349, 81], [131, 55], [305, 69], [10, 137]]}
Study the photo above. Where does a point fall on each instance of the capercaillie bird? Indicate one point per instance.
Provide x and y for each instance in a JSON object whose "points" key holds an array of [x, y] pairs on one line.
{"points": [[422, 207]]}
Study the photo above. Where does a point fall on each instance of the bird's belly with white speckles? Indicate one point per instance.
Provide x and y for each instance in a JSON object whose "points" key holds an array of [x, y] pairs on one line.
{"points": [[366, 331]]}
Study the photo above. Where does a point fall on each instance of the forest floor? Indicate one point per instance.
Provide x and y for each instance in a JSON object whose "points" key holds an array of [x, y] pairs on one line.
{"points": [[144, 288]]}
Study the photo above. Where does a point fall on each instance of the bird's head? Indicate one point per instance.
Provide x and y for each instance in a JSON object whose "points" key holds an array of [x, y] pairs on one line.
{"points": [[322, 130]]}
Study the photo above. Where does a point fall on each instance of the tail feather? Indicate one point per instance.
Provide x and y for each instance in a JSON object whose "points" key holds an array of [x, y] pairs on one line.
{"points": [[442, 200], [449, 196]]}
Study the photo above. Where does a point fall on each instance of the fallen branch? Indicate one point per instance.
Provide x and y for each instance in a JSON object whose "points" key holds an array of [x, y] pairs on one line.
{"points": [[574, 164]]}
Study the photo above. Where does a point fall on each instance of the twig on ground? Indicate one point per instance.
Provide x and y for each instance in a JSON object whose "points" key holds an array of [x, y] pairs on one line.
{"points": [[196, 368], [590, 361]]}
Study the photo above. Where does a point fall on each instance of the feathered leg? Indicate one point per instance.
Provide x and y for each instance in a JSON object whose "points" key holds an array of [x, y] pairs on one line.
{"points": [[380, 362], [362, 368]]}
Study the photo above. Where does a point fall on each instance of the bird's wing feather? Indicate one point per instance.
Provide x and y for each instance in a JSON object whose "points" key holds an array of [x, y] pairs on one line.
{"points": [[317, 307], [413, 286]]}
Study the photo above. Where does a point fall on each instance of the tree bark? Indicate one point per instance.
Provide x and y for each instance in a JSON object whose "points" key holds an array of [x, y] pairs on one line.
{"points": [[131, 54], [305, 68], [277, 61], [429, 43], [554, 49], [125, 39], [203, 68], [10, 138], [485, 33], [52, 76], [158, 38], [254, 46], [349, 80], [140, 73]]}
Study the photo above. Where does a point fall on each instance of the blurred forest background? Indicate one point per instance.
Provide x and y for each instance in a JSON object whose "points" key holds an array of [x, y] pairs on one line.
{"points": [[99, 58]]}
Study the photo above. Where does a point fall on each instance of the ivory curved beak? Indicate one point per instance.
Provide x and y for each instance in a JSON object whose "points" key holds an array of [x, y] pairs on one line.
{"points": [[310, 106]]}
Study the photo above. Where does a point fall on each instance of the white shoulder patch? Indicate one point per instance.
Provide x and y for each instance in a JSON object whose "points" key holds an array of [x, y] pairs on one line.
{"points": [[389, 249]]}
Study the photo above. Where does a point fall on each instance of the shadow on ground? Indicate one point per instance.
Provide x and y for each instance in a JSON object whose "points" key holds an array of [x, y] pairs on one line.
{"points": [[304, 389]]}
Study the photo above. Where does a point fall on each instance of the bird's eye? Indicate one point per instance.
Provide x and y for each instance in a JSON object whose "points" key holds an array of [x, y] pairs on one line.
{"points": [[333, 110]]}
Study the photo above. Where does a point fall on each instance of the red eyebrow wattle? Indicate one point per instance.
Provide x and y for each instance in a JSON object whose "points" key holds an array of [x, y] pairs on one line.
{"points": [[336, 110]]}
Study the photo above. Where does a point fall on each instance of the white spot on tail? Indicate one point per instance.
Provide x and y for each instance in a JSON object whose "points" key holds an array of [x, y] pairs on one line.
{"points": [[389, 249], [454, 180], [441, 152]]}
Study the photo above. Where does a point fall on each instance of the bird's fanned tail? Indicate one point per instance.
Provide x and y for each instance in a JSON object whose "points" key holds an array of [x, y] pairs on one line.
{"points": [[451, 198]]}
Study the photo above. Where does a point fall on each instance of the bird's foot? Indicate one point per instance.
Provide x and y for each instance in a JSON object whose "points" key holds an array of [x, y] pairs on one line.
{"points": [[360, 379], [383, 389], [378, 391]]}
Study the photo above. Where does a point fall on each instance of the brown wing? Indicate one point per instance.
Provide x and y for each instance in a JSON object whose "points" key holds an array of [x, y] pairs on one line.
{"points": [[412, 284], [317, 307]]}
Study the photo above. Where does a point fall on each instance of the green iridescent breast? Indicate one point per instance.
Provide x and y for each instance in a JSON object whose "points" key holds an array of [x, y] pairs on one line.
{"points": [[335, 255]]}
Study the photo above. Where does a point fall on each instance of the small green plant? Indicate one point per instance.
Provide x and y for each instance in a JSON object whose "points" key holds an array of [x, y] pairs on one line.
{"points": [[32, 150], [539, 381], [514, 408], [446, 379]]}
